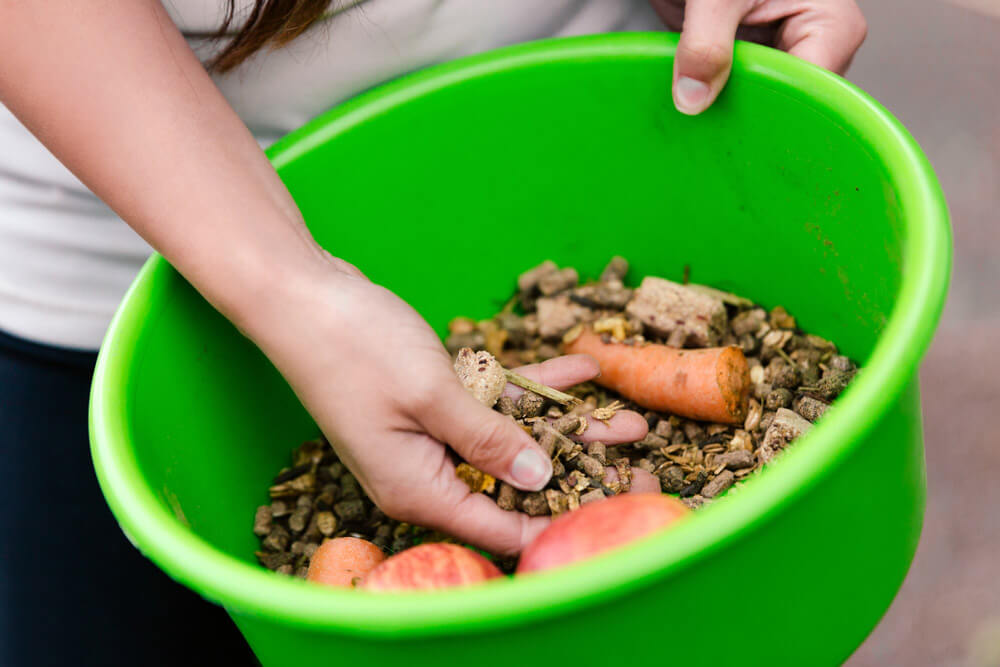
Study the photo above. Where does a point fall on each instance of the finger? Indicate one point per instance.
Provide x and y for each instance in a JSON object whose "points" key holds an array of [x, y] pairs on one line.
{"points": [[624, 426], [642, 480], [558, 373], [475, 518], [827, 36], [485, 438], [704, 54]]}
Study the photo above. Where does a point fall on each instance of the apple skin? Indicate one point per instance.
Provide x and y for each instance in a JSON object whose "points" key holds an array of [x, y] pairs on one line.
{"points": [[598, 527], [430, 567], [343, 561]]}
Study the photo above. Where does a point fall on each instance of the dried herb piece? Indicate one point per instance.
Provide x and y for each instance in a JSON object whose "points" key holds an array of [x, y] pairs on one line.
{"points": [[542, 390], [305, 483], [477, 480], [694, 485]]}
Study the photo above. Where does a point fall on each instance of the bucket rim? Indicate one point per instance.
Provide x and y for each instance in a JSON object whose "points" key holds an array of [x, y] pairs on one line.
{"points": [[248, 589]]}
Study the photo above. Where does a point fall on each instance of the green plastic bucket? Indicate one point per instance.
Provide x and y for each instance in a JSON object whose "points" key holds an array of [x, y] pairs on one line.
{"points": [[795, 189]]}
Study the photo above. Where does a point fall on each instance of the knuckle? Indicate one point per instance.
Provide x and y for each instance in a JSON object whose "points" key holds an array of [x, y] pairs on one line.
{"points": [[485, 443], [706, 56], [393, 507], [860, 26], [424, 396]]}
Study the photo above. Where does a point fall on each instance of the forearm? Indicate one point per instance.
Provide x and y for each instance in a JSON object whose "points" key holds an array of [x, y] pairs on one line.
{"points": [[112, 89]]}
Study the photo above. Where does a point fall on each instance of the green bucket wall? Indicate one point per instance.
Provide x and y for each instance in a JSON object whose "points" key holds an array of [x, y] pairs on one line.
{"points": [[795, 189]]}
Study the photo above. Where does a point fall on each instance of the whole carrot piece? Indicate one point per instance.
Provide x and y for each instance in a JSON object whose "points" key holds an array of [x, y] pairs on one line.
{"points": [[710, 384]]}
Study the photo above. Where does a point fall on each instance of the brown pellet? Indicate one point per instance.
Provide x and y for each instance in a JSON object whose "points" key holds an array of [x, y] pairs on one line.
{"points": [[312, 533], [778, 398], [349, 487], [534, 504], [672, 479], [280, 508], [589, 466], [350, 510], [736, 459], [299, 519], [557, 281], [335, 470], [722, 481], [616, 270], [328, 495], [652, 441], [598, 451], [277, 539], [272, 560], [507, 497], [530, 404], [811, 408], [262, 521], [326, 523], [566, 424], [693, 432], [506, 406]]}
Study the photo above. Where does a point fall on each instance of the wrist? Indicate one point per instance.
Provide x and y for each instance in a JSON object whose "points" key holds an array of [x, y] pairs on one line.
{"points": [[262, 287]]}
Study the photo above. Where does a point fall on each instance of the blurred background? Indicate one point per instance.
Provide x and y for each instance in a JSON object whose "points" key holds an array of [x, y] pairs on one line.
{"points": [[936, 65]]}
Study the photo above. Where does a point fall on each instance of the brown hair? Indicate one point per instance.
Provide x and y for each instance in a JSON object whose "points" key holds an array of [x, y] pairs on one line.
{"points": [[271, 23]]}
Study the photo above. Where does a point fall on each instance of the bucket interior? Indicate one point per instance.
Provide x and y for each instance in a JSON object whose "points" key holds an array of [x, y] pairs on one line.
{"points": [[445, 195]]}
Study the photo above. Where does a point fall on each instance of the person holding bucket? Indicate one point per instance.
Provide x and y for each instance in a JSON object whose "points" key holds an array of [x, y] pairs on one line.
{"points": [[132, 124]]}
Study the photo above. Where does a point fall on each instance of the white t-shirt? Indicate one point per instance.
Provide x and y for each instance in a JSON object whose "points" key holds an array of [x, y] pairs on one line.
{"points": [[66, 259]]}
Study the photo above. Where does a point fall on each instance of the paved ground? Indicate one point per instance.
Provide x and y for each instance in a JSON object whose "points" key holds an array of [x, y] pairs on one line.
{"points": [[937, 67]]}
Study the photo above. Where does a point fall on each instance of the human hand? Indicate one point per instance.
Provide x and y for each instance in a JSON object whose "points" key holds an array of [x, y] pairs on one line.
{"points": [[824, 32], [383, 389]]}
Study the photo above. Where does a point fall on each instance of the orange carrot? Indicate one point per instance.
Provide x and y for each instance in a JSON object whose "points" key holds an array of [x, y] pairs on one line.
{"points": [[343, 561], [710, 384]]}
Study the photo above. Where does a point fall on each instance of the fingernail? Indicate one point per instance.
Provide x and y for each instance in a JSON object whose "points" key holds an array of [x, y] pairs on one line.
{"points": [[531, 469], [690, 95]]}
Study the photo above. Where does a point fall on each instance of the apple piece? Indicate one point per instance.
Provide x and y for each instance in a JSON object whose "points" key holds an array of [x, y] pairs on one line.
{"points": [[343, 561], [430, 567], [600, 526]]}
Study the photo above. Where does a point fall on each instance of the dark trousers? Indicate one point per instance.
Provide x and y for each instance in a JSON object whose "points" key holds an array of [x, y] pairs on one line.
{"points": [[73, 591]]}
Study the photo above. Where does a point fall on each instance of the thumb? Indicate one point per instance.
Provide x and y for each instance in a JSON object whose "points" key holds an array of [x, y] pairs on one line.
{"points": [[704, 54], [487, 439]]}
